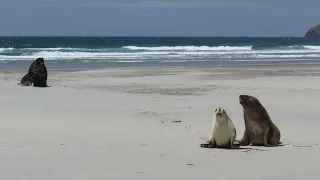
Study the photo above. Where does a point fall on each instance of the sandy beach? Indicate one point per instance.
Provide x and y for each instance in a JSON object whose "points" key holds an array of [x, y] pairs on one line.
{"points": [[147, 124]]}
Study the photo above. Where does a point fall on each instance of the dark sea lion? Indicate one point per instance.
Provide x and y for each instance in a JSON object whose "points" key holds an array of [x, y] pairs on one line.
{"points": [[259, 129], [38, 73]]}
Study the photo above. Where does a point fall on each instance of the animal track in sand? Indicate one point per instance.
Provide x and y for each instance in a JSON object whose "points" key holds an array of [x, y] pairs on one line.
{"points": [[156, 89], [12, 145], [149, 113], [301, 146], [253, 149], [176, 121]]}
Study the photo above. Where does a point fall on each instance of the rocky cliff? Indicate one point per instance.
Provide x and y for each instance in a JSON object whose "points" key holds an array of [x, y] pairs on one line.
{"points": [[314, 32]]}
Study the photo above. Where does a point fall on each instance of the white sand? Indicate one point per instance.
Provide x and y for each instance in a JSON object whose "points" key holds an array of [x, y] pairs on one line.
{"points": [[117, 124]]}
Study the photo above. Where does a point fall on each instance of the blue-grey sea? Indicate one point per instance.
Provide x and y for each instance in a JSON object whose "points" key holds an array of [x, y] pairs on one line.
{"points": [[106, 52]]}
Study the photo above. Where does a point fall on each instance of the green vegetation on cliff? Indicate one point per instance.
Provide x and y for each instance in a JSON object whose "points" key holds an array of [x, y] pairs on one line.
{"points": [[314, 32]]}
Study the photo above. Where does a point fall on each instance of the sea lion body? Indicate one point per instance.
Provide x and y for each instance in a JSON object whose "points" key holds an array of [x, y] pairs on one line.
{"points": [[223, 131], [25, 80], [38, 73], [259, 129]]}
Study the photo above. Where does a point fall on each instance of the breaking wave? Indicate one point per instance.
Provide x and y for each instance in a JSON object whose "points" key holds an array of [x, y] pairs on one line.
{"points": [[160, 53]]}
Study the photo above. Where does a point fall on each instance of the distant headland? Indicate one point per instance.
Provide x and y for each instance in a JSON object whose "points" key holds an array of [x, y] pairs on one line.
{"points": [[313, 32]]}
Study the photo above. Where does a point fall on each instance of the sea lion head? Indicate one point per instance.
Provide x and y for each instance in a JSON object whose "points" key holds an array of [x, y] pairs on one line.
{"points": [[221, 115], [247, 100], [40, 61], [40, 64]]}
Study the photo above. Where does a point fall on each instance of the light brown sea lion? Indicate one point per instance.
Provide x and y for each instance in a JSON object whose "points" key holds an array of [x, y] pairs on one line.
{"points": [[223, 131], [259, 129]]}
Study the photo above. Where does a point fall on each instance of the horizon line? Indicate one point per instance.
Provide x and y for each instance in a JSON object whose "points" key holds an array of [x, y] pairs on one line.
{"points": [[164, 36]]}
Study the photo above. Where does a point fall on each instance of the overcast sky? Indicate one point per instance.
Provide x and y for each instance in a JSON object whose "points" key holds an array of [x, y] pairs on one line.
{"points": [[158, 17]]}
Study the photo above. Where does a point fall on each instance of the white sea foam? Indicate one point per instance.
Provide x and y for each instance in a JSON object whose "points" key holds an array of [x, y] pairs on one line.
{"points": [[5, 49], [162, 53], [312, 47], [173, 48], [131, 61], [57, 55], [190, 48], [287, 55], [53, 49]]}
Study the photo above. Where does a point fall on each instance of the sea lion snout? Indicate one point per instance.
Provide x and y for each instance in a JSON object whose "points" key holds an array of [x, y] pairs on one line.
{"points": [[247, 99], [243, 99], [40, 60], [219, 111]]}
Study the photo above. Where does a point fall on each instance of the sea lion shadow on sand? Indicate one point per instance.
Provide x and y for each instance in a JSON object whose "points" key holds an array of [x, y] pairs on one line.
{"points": [[260, 145], [237, 146]]}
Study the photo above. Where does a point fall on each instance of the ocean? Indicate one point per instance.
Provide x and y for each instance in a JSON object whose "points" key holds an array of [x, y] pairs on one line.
{"points": [[105, 52]]}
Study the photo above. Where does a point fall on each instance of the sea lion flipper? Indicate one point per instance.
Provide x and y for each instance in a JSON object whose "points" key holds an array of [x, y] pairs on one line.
{"points": [[232, 129], [235, 146], [269, 145], [25, 81], [266, 137], [208, 144], [233, 133], [204, 145], [237, 142], [281, 144], [245, 139], [232, 144]]}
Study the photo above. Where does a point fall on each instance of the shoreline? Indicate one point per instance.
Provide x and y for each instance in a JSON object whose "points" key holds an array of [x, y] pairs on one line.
{"points": [[274, 66], [206, 64]]}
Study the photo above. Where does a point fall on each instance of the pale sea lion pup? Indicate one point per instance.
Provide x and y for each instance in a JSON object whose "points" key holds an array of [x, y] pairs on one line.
{"points": [[259, 129], [223, 131]]}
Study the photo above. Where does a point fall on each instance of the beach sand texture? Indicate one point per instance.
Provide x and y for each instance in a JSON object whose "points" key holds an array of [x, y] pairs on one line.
{"points": [[147, 124]]}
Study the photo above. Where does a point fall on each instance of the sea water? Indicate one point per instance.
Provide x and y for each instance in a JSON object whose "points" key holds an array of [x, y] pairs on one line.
{"points": [[106, 52]]}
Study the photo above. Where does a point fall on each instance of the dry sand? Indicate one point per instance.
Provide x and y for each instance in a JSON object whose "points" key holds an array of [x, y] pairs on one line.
{"points": [[147, 124]]}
